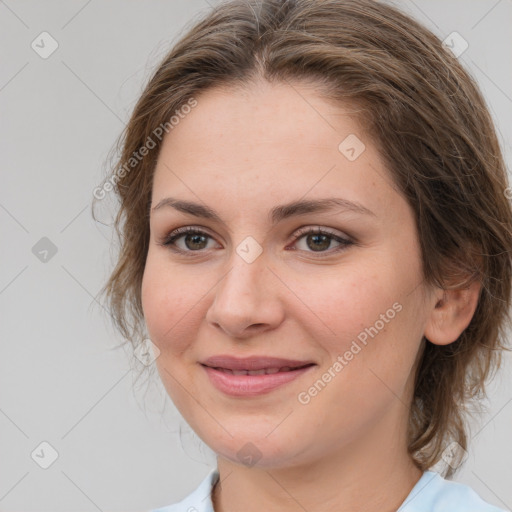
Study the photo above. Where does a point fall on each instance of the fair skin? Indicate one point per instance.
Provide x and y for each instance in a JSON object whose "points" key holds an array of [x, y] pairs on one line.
{"points": [[241, 153]]}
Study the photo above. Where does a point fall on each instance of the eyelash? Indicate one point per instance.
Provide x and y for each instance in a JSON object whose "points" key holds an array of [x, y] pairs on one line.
{"points": [[169, 240]]}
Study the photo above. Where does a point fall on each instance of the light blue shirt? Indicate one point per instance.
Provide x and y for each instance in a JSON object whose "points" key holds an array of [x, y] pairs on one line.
{"points": [[432, 493]]}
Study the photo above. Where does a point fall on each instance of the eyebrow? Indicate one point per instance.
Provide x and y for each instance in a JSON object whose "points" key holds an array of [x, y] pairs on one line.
{"points": [[276, 214]]}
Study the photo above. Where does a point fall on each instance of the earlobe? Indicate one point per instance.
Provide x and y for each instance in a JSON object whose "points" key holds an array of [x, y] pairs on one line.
{"points": [[452, 313]]}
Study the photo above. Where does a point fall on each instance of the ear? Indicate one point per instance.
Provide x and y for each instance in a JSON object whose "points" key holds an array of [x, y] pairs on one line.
{"points": [[451, 313]]}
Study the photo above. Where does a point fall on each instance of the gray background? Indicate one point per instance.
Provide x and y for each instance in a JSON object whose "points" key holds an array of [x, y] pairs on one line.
{"points": [[61, 379]]}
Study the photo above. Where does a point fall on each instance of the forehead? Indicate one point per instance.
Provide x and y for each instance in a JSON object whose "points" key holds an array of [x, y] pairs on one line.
{"points": [[280, 139], [265, 113]]}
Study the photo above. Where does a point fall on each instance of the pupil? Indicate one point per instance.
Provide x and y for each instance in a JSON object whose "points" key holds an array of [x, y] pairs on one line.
{"points": [[196, 239], [323, 238]]}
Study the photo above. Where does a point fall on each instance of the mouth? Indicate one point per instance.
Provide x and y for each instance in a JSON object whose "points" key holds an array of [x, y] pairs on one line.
{"points": [[255, 363], [253, 376], [262, 371]]}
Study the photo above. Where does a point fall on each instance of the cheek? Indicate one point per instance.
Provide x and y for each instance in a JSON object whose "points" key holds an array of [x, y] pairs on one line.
{"points": [[171, 321], [341, 304], [168, 304], [368, 316]]}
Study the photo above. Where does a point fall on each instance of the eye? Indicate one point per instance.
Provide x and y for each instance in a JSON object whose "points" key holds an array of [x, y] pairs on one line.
{"points": [[319, 239], [194, 239]]}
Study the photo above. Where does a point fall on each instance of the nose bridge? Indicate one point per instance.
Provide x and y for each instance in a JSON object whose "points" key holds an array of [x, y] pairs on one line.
{"points": [[246, 273], [242, 297]]}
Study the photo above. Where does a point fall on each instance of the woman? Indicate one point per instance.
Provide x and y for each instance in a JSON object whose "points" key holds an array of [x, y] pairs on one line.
{"points": [[315, 236]]}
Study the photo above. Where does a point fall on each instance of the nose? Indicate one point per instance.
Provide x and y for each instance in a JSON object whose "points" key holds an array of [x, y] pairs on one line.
{"points": [[246, 300]]}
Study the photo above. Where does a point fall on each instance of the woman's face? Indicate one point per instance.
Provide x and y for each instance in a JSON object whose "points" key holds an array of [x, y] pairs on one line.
{"points": [[254, 282]]}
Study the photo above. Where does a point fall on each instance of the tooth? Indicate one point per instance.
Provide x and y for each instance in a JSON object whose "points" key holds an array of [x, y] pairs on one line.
{"points": [[256, 372]]}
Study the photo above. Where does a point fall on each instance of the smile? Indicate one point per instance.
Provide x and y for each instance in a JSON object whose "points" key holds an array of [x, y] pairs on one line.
{"points": [[247, 383]]}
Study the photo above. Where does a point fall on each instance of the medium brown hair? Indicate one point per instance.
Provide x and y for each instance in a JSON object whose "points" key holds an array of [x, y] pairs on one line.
{"points": [[431, 125]]}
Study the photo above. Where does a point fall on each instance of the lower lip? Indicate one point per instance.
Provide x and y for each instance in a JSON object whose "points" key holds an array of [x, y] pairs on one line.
{"points": [[251, 385]]}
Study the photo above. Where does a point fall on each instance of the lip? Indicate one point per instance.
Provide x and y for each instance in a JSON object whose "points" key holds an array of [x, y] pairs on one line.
{"points": [[252, 363], [252, 385]]}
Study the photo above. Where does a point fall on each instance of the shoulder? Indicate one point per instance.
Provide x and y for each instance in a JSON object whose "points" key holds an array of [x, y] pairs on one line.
{"points": [[433, 493], [199, 500]]}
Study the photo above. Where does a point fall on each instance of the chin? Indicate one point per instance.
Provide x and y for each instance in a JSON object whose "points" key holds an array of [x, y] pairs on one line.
{"points": [[262, 453]]}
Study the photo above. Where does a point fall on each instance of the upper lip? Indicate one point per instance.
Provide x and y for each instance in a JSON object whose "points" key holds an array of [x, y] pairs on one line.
{"points": [[252, 363]]}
